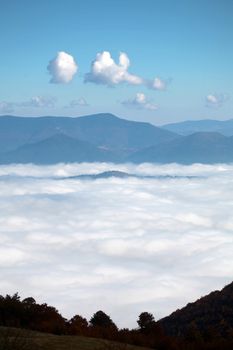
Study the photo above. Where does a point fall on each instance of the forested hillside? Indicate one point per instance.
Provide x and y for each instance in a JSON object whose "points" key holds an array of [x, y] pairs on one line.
{"points": [[206, 324]]}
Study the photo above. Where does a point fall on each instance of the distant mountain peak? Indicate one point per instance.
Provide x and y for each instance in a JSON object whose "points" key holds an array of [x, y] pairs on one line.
{"points": [[188, 127], [100, 115], [207, 135]]}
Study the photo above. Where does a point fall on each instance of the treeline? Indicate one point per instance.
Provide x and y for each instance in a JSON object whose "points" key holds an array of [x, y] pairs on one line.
{"points": [[210, 317], [28, 314]]}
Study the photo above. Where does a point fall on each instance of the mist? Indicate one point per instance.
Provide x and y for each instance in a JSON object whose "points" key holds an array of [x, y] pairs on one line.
{"points": [[121, 245]]}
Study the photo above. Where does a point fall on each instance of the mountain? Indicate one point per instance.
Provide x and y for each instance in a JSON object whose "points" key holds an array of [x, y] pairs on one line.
{"points": [[105, 137], [102, 130], [210, 315], [58, 148], [122, 175], [202, 147], [109, 131], [103, 175], [207, 125]]}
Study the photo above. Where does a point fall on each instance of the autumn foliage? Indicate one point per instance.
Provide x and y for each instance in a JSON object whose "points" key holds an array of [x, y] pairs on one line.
{"points": [[204, 325]]}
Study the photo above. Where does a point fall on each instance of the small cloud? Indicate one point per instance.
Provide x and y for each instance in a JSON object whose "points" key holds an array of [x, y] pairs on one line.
{"points": [[157, 84], [216, 100], [39, 101], [105, 71], [34, 102], [140, 102], [80, 102], [62, 68], [6, 107]]}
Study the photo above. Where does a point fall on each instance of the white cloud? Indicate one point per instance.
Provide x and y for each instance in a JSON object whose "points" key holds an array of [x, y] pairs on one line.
{"points": [[6, 107], [80, 102], [62, 68], [39, 101], [10, 256], [216, 100], [121, 245], [158, 84], [104, 70], [141, 102], [34, 102]]}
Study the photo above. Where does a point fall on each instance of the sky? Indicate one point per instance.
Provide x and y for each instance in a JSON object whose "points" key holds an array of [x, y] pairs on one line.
{"points": [[172, 244], [154, 60]]}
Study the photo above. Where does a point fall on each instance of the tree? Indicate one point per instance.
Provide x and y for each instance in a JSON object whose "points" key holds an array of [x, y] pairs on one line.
{"points": [[10, 310], [78, 325], [101, 326], [100, 319], [146, 321], [29, 301]]}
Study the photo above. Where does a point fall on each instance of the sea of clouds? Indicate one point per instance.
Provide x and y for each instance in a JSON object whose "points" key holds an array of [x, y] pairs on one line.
{"points": [[120, 245]]}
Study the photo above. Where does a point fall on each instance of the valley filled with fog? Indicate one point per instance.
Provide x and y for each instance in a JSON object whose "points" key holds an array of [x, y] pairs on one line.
{"points": [[122, 245]]}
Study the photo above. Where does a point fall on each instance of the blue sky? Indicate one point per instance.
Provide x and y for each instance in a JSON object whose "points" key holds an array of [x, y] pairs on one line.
{"points": [[180, 55]]}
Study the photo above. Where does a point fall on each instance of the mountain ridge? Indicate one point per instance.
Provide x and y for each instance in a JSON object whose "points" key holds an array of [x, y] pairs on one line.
{"points": [[105, 137], [188, 127], [56, 149], [105, 130], [200, 147]]}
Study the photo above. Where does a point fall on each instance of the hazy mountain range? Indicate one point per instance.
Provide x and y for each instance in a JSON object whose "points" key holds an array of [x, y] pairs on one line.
{"points": [[189, 127], [122, 175], [105, 137]]}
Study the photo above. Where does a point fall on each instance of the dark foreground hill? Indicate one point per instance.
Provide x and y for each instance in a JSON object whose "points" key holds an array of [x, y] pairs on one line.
{"points": [[206, 324], [210, 316], [21, 339]]}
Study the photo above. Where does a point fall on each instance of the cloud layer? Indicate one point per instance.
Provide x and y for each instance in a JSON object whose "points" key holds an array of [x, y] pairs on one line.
{"points": [[62, 68], [121, 245]]}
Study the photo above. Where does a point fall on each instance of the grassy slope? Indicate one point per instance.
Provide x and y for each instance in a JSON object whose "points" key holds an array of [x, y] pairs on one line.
{"points": [[18, 339]]}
